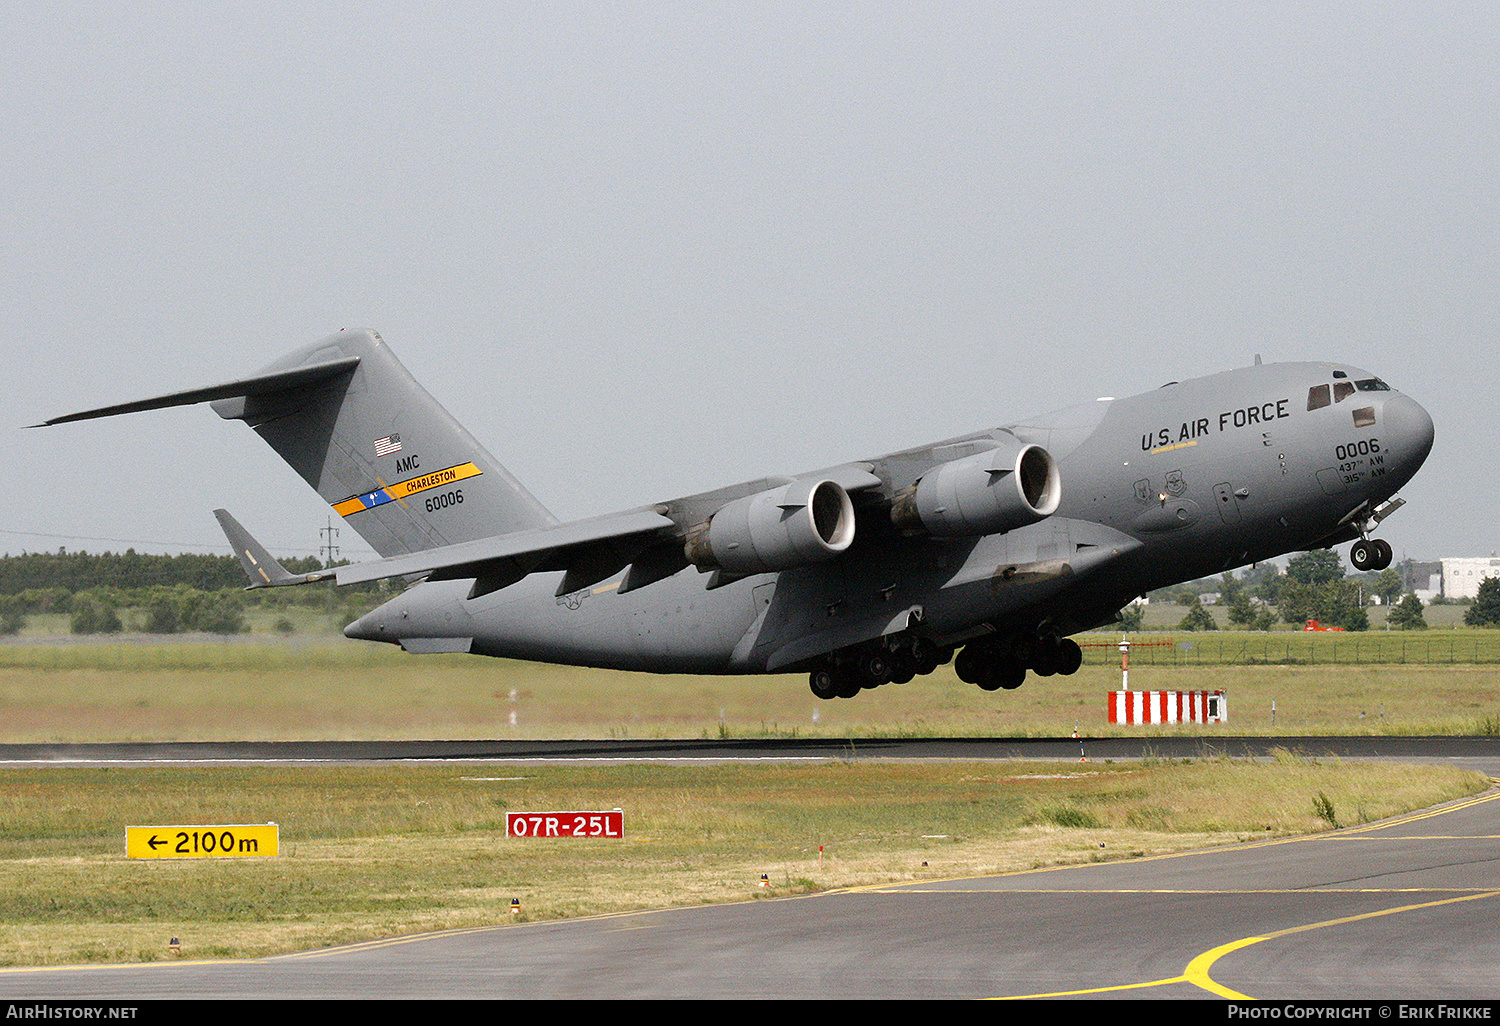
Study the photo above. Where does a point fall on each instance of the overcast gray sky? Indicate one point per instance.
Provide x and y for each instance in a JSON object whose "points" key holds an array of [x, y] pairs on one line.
{"points": [[646, 250]]}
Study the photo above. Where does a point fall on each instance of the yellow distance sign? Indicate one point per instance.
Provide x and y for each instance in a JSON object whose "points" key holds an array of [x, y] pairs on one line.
{"points": [[238, 841]]}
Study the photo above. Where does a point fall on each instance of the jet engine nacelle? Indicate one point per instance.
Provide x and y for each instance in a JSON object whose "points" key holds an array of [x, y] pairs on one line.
{"points": [[777, 529], [997, 490]]}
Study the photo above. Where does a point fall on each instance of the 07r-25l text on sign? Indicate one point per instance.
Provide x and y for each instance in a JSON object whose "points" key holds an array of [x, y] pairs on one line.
{"points": [[565, 824]]}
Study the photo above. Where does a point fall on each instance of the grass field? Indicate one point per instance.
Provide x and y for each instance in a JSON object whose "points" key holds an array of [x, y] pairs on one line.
{"points": [[320, 688], [372, 852]]}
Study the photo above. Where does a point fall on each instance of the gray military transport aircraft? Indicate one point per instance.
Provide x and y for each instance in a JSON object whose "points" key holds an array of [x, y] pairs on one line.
{"points": [[988, 549]]}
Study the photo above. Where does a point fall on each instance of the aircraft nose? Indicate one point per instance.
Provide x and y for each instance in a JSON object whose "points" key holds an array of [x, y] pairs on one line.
{"points": [[367, 628], [1409, 425]]}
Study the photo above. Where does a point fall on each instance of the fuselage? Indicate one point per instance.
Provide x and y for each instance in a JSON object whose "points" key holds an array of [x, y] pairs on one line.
{"points": [[1192, 479]]}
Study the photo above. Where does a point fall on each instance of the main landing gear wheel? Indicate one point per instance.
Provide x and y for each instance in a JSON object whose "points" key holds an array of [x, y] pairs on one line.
{"points": [[1371, 554], [835, 682], [903, 667], [991, 667], [1006, 674], [823, 682], [849, 684], [1069, 657], [1055, 655]]}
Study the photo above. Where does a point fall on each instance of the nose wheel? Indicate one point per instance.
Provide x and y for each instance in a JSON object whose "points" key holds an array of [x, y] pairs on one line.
{"points": [[1370, 554]]}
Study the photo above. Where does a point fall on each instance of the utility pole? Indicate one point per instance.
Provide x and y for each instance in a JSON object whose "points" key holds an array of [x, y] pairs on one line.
{"points": [[329, 548]]}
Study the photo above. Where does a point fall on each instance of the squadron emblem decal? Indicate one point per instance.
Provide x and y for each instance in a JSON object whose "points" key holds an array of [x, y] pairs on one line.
{"points": [[401, 489]]}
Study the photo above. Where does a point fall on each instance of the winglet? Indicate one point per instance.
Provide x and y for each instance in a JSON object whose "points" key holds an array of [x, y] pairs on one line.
{"points": [[260, 566]]}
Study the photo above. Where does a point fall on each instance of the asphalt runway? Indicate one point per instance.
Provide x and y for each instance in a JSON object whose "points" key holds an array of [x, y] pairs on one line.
{"points": [[1481, 753], [1405, 909]]}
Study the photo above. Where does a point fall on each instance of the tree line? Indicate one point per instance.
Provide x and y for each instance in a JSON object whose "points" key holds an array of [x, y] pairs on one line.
{"points": [[171, 594], [81, 571], [1315, 587]]}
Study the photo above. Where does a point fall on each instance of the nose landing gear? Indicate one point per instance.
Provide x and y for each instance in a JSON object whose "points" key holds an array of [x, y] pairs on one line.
{"points": [[1370, 554]]}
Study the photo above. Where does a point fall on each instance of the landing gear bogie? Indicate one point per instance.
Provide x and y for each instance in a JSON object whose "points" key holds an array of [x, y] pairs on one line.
{"points": [[893, 660], [995, 664]]}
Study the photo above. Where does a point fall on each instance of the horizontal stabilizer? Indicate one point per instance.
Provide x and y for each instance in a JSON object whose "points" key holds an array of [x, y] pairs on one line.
{"points": [[260, 566], [262, 384]]}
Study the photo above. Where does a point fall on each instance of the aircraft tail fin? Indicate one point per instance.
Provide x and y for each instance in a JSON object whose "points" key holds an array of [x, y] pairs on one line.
{"points": [[354, 423]]}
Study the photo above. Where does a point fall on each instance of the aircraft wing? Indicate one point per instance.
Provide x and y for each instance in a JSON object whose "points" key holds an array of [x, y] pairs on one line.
{"points": [[589, 550], [648, 542]]}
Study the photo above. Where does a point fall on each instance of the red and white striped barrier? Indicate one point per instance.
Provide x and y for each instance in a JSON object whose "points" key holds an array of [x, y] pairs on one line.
{"points": [[1168, 707]]}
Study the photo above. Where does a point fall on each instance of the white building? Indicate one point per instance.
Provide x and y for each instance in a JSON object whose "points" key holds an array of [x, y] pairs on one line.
{"points": [[1461, 577]]}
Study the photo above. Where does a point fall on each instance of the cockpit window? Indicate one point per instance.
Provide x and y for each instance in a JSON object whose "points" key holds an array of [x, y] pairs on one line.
{"points": [[1319, 396]]}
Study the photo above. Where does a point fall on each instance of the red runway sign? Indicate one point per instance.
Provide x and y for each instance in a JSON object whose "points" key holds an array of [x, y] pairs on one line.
{"points": [[565, 824]]}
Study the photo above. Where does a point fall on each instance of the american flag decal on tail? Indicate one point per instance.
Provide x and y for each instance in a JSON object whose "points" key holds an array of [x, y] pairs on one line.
{"points": [[387, 445]]}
